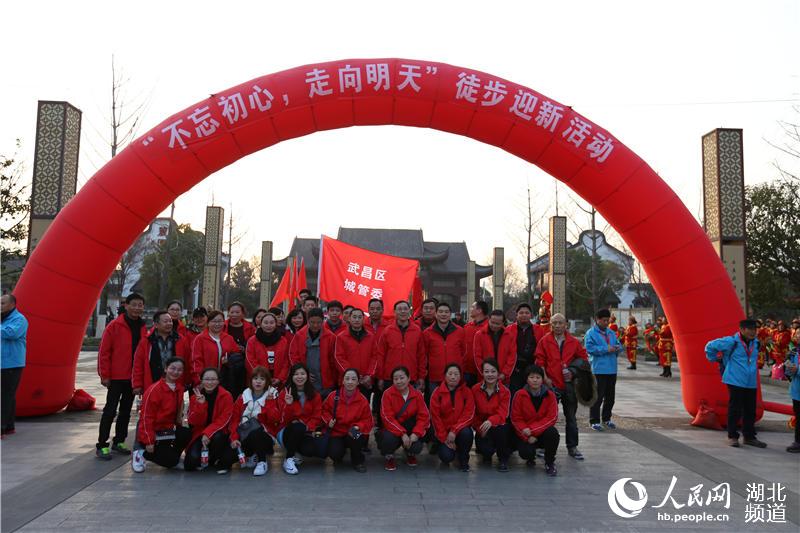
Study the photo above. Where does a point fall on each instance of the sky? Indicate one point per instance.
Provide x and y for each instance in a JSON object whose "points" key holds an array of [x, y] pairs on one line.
{"points": [[657, 76]]}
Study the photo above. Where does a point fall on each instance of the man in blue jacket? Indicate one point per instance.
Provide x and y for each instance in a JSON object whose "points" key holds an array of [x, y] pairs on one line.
{"points": [[603, 346], [13, 332], [738, 357]]}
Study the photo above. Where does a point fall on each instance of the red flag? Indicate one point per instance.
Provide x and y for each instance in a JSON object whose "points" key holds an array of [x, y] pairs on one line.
{"points": [[302, 283], [354, 275], [294, 288], [283, 289], [416, 296]]}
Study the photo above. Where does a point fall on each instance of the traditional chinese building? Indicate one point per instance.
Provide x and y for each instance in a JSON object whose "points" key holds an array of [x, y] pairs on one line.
{"points": [[443, 265], [631, 295]]}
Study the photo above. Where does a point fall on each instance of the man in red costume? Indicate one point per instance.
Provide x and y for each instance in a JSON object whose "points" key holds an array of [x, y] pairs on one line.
{"points": [[631, 341], [665, 347]]}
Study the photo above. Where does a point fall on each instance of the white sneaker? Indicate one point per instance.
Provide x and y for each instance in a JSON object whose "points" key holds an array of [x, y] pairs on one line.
{"points": [[261, 469], [289, 467], [298, 459], [251, 462], [137, 461]]}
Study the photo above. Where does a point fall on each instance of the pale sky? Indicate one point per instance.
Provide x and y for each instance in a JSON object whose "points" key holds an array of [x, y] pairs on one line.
{"points": [[657, 76]]}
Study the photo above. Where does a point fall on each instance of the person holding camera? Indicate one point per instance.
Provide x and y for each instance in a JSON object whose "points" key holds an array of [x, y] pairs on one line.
{"points": [[347, 416], [405, 420], [301, 411], [210, 412], [255, 419], [452, 410]]}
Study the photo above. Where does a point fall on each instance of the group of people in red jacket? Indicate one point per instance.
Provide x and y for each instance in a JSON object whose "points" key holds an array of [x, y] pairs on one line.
{"points": [[319, 385]]}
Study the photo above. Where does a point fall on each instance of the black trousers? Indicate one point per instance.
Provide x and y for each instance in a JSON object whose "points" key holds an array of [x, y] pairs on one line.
{"points": [[296, 438], [388, 442], [337, 446], [796, 406], [517, 380], [606, 389], [8, 395], [741, 405], [220, 454], [569, 405], [495, 441], [548, 440], [232, 376], [167, 453], [119, 395], [257, 443], [377, 394], [463, 446]]}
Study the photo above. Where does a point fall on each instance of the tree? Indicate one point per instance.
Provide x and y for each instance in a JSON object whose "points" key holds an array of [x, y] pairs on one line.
{"points": [[773, 246], [514, 290], [186, 247], [15, 203], [610, 279], [128, 265], [244, 282], [790, 146]]}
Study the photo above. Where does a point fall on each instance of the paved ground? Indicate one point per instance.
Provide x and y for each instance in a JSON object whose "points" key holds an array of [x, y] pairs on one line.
{"points": [[52, 482]]}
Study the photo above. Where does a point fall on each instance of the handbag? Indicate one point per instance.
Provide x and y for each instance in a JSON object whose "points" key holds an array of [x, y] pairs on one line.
{"points": [[247, 427], [321, 442]]}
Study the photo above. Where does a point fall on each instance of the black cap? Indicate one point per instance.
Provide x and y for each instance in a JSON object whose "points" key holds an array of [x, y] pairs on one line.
{"points": [[748, 323]]}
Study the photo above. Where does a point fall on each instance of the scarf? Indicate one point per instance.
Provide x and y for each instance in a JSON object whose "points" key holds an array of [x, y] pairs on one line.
{"points": [[358, 335], [211, 399], [268, 339]]}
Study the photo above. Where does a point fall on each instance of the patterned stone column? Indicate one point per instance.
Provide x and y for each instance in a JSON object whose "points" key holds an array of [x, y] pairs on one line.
{"points": [[498, 278], [557, 264], [723, 201], [215, 217], [55, 165], [265, 288], [470, 283]]}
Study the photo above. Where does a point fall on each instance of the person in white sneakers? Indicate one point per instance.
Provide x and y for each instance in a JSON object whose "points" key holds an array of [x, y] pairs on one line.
{"points": [[301, 413], [255, 418], [160, 437]]}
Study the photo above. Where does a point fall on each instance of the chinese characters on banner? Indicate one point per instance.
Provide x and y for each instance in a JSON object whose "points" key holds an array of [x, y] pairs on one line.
{"points": [[270, 95], [354, 275]]}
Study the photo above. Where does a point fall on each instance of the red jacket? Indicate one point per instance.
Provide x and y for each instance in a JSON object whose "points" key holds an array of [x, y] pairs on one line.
{"points": [[469, 348], [190, 337], [524, 414], [375, 330], [115, 358], [452, 416], [349, 412], [483, 348], [309, 414], [249, 329], [160, 409], [553, 360], [327, 345], [353, 353], [493, 408], [269, 416], [397, 348], [342, 327], [443, 349], [220, 418], [205, 353], [391, 404], [142, 375], [257, 354]]}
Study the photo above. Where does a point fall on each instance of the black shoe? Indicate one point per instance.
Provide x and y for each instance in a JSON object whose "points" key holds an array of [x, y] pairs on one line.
{"points": [[103, 453], [503, 466], [632, 367], [360, 468], [531, 462], [464, 467], [575, 453], [120, 447], [755, 442], [793, 447]]}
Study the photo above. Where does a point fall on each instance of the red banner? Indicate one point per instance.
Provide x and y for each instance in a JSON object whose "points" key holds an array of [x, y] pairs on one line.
{"points": [[354, 275]]}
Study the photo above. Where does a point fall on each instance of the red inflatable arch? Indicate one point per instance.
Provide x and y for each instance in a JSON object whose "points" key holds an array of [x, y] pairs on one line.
{"points": [[66, 272]]}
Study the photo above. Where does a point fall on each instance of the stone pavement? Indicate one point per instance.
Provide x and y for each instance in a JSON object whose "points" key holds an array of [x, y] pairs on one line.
{"points": [[52, 482]]}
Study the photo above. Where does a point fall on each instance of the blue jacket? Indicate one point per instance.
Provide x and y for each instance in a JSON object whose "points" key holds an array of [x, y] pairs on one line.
{"points": [[597, 343], [738, 370], [13, 333], [794, 388]]}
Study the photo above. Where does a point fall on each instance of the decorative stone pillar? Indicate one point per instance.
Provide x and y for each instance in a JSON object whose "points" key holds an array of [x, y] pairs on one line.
{"points": [[265, 287], [55, 165], [470, 284], [212, 264], [723, 202], [498, 278], [557, 264]]}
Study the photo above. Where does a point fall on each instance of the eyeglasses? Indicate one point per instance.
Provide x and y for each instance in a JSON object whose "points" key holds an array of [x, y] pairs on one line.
{"points": [[210, 379]]}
